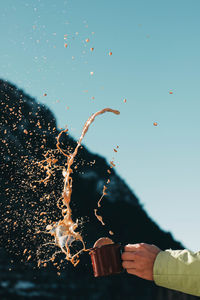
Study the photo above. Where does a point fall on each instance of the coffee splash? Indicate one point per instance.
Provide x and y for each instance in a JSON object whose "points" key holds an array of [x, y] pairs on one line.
{"points": [[65, 230]]}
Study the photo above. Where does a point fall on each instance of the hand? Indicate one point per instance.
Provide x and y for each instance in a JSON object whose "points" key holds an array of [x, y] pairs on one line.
{"points": [[138, 259]]}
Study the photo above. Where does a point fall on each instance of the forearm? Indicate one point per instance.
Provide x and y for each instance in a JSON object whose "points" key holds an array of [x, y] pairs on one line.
{"points": [[178, 270]]}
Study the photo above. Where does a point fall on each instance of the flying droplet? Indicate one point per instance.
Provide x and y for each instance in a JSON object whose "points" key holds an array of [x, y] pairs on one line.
{"points": [[44, 94], [65, 45], [170, 92], [91, 49], [87, 40], [110, 53], [125, 100], [112, 164], [155, 124], [91, 73]]}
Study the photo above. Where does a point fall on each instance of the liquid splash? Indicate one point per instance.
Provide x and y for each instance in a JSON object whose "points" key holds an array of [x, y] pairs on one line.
{"points": [[65, 230]]}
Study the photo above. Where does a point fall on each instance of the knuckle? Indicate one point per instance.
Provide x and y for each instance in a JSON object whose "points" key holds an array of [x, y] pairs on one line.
{"points": [[141, 246]]}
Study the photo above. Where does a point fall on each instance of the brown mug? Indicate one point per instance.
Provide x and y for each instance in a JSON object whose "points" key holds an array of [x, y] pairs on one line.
{"points": [[106, 260]]}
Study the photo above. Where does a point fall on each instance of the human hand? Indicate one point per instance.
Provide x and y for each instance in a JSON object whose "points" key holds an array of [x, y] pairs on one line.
{"points": [[138, 259]]}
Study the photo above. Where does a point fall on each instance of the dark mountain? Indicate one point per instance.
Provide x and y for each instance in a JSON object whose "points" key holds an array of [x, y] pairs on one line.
{"points": [[28, 130]]}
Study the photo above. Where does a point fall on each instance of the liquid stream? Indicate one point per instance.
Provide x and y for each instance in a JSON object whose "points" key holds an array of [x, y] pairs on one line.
{"points": [[64, 231]]}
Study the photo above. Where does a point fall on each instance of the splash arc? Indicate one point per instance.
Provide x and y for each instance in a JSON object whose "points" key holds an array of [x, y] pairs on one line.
{"points": [[64, 231]]}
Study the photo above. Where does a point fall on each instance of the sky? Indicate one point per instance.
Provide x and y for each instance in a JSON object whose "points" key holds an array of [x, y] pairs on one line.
{"points": [[155, 65]]}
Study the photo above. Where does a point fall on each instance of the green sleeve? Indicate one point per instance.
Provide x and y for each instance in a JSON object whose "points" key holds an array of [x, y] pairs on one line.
{"points": [[178, 270]]}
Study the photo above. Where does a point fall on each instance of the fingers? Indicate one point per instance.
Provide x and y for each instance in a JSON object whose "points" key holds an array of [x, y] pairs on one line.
{"points": [[132, 251], [128, 255], [140, 246], [138, 259], [128, 264], [132, 247]]}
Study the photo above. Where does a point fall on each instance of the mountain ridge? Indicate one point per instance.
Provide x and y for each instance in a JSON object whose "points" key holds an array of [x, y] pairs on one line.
{"points": [[27, 130]]}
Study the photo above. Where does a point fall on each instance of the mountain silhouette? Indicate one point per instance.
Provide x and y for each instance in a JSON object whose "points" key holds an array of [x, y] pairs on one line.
{"points": [[28, 130]]}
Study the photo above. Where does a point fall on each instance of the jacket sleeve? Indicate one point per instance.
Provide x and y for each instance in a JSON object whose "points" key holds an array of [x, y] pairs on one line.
{"points": [[178, 270]]}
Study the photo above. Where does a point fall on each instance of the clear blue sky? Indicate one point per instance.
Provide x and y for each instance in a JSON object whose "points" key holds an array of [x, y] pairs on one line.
{"points": [[156, 49]]}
